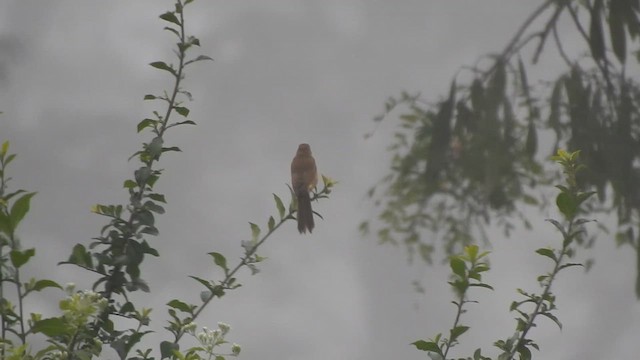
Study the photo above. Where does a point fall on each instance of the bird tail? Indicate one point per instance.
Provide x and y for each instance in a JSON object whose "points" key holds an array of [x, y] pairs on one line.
{"points": [[305, 213]]}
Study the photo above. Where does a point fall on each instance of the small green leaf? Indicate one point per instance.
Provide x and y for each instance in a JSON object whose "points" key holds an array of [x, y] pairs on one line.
{"points": [[19, 258], [155, 147], [146, 123], [569, 265], [548, 253], [170, 17], [182, 110], [9, 159], [458, 266], [204, 282], [199, 58], [457, 331], [177, 304], [173, 31], [151, 230], [271, 223], [129, 184], [255, 231], [173, 148], [279, 205], [471, 251], [150, 97], [42, 284], [163, 66], [157, 197], [151, 206], [427, 346], [219, 260], [5, 148], [186, 122]]}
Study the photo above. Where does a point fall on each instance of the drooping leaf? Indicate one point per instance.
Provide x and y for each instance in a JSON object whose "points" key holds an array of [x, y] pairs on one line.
{"points": [[43, 284]]}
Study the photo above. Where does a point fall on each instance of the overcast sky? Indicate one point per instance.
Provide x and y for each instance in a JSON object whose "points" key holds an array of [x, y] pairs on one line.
{"points": [[72, 78]]}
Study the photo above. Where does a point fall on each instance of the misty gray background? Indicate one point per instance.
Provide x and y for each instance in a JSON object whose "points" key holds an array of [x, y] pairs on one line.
{"points": [[72, 78]]}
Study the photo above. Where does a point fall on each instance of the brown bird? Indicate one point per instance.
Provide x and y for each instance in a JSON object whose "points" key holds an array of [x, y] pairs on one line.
{"points": [[304, 177]]}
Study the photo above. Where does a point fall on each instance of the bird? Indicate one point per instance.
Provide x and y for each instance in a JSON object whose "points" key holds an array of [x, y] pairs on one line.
{"points": [[304, 178]]}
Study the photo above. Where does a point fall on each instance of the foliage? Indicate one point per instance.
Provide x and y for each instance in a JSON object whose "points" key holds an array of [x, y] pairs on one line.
{"points": [[474, 156], [87, 321], [467, 267]]}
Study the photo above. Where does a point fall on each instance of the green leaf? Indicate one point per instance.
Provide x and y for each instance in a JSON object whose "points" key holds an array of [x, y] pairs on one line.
{"points": [[151, 206], [20, 208], [204, 282], [548, 253], [51, 327], [219, 260], [42, 284], [173, 148], [569, 265], [170, 17], [151, 230], [457, 331], [567, 204], [150, 97], [167, 348], [163, 66], [271, 223], [186, 122], [482, 285], [173, 31], [279, 205], [427, 346], [146, 123], [177, 304], [255, 231], [182, 110], [80, 256], [458, 266], [199, 58], [157, 197], [129, 184], [155, 147], [19, 258], [5, 148]]}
